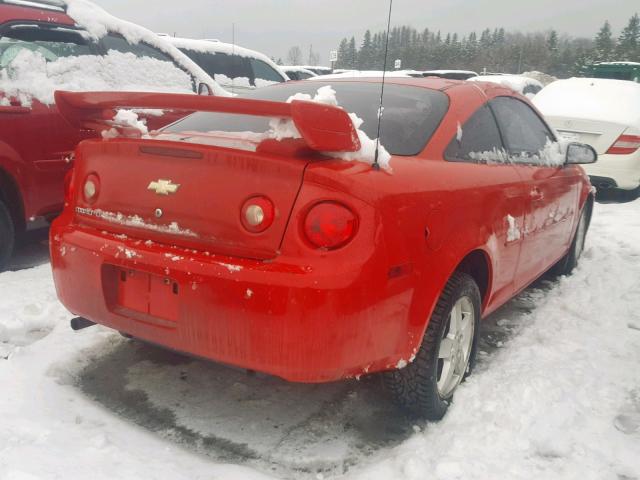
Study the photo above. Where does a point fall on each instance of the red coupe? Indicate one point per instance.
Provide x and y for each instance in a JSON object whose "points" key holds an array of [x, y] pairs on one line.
{"points": [[273, 255]]}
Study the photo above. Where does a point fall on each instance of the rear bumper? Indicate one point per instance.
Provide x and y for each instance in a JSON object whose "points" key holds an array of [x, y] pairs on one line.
{"points": [[314, 322], [624, 170]]}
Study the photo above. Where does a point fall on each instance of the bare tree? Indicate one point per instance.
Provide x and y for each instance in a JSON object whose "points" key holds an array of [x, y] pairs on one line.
{"points": [[314, 57], [294, 57]]}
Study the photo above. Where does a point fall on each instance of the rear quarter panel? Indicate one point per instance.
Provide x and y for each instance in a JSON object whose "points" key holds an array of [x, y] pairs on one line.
{"points": [[431, 214]]}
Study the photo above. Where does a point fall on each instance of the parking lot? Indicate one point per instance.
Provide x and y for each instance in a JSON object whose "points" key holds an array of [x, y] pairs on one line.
{"points": [[556, 392]]}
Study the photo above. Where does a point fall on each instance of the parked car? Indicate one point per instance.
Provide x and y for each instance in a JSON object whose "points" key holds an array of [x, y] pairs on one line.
{"points": [[317, 69], [234, 67], [450, 74], [527, 86], [360, 74], [43, 48], [257, 250], [614, 70], [606, 115], [297, 73]]}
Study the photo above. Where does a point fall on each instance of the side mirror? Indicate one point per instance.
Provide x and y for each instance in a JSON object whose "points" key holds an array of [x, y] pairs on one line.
{"points": [[204, 89], [581, 153]]}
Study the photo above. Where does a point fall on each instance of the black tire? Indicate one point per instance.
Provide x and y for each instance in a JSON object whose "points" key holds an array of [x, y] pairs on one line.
{"points": [[415, 387], [569, 262], [7, 236]]}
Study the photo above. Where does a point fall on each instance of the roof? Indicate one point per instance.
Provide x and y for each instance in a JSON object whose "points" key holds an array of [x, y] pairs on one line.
{"points": [[604, 100], [214, 46]]}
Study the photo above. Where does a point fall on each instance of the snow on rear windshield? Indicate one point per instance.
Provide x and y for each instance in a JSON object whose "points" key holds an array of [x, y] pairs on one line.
{"points": [[411, 114]]}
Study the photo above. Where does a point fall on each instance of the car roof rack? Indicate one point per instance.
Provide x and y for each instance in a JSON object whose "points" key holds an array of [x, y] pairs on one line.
{"points": [[54, 5]]}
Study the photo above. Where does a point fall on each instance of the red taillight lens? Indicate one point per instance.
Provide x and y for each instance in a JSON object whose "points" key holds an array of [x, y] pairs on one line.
{"points": [[625, 145], [68, 186], [257, 214], [330, 225]]}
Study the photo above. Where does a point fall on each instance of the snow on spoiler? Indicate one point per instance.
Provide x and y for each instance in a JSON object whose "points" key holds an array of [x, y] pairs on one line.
{"points": [[324, 128]]}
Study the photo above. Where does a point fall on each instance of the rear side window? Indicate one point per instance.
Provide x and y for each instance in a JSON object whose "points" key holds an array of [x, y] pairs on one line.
{"points": [[222, 67], [411, 114], [114, 42], [263, 71], [477, 136], [524, 133]]}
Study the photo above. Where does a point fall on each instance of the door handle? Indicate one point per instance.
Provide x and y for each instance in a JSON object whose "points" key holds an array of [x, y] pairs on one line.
{"points": [[536, 195], [14, 109]]}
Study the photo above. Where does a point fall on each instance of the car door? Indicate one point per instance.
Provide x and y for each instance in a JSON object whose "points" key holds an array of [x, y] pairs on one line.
{"points": [[552, 188], [498, 187]]}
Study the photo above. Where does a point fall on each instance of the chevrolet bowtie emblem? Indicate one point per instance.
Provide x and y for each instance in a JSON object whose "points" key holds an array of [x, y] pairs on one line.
{"points": [[163, 187]]}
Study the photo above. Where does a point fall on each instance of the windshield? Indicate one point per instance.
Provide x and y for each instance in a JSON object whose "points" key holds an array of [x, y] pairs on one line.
{"points": [[411, 114]]}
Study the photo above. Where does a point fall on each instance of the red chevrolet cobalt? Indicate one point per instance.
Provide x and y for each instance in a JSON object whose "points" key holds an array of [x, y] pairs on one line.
{"points": [[261, 231]]}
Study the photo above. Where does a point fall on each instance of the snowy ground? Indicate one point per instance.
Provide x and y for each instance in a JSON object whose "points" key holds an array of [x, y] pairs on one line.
{"points": [[556, 394]]}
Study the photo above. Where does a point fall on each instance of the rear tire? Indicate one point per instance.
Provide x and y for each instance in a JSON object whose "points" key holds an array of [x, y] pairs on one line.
{"points": [[425, 387], [7, 236], [569, 262]]}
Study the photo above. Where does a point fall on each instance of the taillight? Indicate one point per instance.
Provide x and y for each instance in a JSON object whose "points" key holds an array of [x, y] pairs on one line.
{"points": [[257, 214], [91, 188], [68, 186], [330, 225], [625, 145]]}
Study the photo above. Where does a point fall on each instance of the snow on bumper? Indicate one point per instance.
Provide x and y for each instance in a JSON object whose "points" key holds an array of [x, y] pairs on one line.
{"points": [[294, 321]]}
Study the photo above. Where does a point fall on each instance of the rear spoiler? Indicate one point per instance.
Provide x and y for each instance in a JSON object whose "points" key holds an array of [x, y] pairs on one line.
{"points": [[324, 128]]}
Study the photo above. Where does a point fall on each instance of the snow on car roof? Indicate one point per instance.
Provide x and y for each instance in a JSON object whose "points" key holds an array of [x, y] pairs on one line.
{"points": [[98, 23], [514, 82], [214, 46], [615, 101], [296, 68], [359, 74]]}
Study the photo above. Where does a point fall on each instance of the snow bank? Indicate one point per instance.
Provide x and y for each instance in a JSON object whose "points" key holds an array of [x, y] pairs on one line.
{"points": [[603, 100], [285, 128]]}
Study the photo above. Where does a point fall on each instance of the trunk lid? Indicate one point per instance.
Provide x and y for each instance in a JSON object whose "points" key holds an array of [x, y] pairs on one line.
{"points": [[187, 194], [599, 134]]}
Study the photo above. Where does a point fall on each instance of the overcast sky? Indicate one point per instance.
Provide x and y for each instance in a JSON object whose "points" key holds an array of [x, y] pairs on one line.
{"points": [[273, 26]]}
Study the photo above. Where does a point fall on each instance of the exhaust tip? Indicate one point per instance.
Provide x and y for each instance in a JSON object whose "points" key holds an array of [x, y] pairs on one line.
{"points": [[80, 323]]}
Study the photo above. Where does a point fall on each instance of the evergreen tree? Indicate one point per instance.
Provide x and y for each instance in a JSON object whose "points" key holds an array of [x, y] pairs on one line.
{"points": [[629, 41], [343, 54], [365, 55], [352, 55], [605, 44]]}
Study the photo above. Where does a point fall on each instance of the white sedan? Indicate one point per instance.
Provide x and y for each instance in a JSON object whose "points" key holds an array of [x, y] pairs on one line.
{"points": [[606, 115]]}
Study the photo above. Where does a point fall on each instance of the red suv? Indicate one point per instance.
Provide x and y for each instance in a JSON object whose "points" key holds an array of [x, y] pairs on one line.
{"points": [[42, 49]]}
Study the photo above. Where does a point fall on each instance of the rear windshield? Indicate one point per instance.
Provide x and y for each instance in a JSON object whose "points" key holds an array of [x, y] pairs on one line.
{"points": [[411, 114]]}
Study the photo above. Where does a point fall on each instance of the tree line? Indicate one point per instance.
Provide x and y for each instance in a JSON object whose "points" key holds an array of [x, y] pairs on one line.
{"points": [[492, 50]]}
